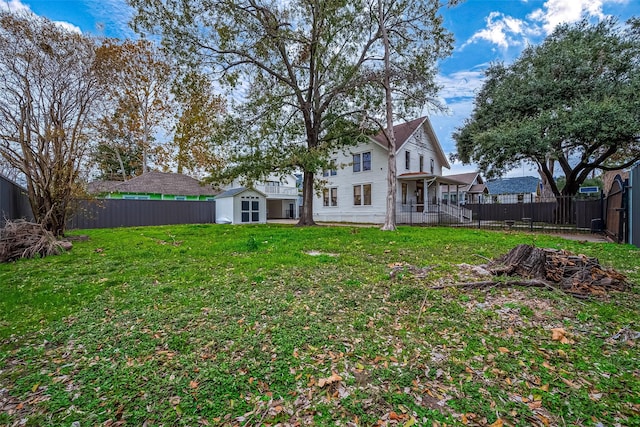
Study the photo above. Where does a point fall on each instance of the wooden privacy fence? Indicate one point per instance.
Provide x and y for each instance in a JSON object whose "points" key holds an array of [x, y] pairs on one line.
{"points": [[109, 213], [14, 203]]}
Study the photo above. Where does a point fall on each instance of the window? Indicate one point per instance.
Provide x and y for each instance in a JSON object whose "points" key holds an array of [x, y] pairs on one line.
{"points": [[362, 161], [330, 196], [407, 160], [422, 163], [432, 167], [362, 194], [180, 198], [405, 190], [135, 197], [332, 171], [250, 210]]}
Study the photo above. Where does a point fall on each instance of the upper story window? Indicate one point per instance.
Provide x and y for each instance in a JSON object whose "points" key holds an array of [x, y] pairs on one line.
{"points": [[407, 160], [433, 167], [362, 161], [330, 172], [422, 163]]}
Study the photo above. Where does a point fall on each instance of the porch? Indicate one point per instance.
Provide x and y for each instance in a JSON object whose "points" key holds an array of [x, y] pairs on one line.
{"points": [[420, 203]]}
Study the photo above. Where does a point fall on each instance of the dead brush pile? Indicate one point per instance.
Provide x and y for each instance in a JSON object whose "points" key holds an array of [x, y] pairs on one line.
{"points": [[23, 239]]}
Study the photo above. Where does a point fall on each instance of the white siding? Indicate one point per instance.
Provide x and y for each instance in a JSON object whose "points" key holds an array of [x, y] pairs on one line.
{"points": [[230, 208], [345, 179]]}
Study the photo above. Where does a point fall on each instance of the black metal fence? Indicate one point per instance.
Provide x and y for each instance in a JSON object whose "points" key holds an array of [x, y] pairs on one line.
{"points": [[109, 213], [14, 202], [634, 206], [564, 214]]}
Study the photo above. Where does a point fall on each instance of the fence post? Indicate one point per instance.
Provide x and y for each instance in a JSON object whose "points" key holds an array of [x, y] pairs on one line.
{"points": [[410, 212]]}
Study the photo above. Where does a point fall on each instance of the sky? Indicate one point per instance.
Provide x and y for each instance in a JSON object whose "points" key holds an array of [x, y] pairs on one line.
{"points": [[485, 31]]}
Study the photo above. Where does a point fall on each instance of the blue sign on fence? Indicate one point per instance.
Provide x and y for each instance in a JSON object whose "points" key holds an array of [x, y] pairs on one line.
{"points": [[589, 190]]}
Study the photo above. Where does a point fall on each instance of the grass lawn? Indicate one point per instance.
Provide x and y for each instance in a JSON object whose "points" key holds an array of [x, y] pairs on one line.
{"points": [[260, 325]]}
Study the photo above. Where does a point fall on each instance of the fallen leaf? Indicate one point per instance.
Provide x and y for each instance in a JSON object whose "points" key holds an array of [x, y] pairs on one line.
{"points": [[544, 387], [560, 334], [557, 333], [497, 423], [174, 400], [503, 350], [193, 384], [35, 387], [535, 404], [411, 422], [329, 380], [543, 419], [397, 417]]}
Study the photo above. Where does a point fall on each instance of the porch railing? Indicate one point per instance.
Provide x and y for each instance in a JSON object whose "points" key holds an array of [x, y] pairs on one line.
{"points": [[277, 190]]}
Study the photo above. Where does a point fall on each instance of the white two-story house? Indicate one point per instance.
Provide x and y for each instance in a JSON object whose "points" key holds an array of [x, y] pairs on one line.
{"points": [[355, 189]]}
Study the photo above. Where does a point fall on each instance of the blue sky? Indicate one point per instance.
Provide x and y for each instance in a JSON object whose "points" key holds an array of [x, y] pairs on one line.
{"points": [[485, 31]]}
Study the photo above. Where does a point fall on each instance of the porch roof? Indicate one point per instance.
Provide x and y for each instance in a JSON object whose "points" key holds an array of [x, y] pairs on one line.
{"points": [[414, 176]]}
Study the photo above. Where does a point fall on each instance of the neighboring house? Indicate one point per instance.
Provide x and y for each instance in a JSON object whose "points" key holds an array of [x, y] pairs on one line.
{"points": [[473, 190], [525, 189], [154, 186], [241, 206], [282, 195], [355, 190]]}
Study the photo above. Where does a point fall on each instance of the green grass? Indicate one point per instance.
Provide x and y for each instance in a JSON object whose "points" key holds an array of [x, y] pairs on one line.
{"points": [[224, 325]]}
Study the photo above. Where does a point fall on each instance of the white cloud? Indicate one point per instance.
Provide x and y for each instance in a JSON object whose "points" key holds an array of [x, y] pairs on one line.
{"points": [[13, 6], [502, 30], [461, 84], [506, 31], [16, 6], [555, 12], [68, 26]]}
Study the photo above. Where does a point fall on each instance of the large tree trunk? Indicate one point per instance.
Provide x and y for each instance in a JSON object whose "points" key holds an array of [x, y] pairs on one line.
{"points": [[390, 214], [306, 217]]}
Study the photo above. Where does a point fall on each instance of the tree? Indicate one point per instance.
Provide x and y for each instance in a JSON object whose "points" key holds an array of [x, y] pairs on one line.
{"points": [[412, 41], [139, 79], [48, 88], [196, 124], [572, 100], [300, 62]]}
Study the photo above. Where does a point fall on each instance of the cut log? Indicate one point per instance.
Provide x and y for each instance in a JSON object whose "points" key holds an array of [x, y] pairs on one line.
{"points": [[576, 274]]}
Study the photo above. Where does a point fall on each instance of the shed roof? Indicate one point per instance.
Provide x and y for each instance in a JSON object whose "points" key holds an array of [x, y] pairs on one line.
{"points": [[234, 191]]}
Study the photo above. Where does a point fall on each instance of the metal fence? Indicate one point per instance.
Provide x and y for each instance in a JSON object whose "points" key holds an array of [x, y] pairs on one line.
{"points": [[14, 202], [109, 213], [634, 206], [564, 214]]}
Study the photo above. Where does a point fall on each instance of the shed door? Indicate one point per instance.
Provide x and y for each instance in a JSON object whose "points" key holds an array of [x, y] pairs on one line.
{"points": [[250, 211]]}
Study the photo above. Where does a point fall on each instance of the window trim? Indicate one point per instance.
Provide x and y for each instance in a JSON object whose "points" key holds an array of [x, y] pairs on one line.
{"points": [[407, 160], [330, 197], [364, 196], [360, 164]]}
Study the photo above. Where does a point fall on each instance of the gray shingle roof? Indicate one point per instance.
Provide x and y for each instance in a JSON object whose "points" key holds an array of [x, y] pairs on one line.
{"points": [[516, 185], [159, 183]]}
